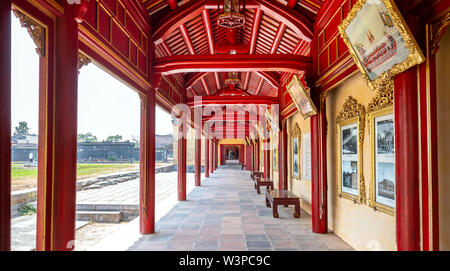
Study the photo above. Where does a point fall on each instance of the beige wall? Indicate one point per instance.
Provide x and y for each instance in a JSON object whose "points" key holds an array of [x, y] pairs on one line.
{"points": [[298, 186], [360, 226], [443, 120]]}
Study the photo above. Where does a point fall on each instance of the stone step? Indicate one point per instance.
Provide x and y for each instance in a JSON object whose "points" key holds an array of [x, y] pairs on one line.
{"points": [[100, 216], [128, 211]]}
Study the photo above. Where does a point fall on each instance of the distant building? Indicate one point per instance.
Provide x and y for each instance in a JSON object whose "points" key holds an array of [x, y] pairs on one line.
{"points": [[22, 146], [95, 152]]}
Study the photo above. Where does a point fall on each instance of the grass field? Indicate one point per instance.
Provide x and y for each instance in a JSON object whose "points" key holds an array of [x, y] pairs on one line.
{"points": [[26, 177], [18, 171]]}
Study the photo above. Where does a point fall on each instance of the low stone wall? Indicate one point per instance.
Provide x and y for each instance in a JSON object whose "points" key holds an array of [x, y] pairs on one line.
{"points": [[18, 198]]}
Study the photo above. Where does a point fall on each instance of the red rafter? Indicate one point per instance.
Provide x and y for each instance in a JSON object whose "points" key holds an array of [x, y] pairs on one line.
{"points": [[258, 89], [172, 4], [292, 3], [205, 85], [187, 39], [278, 37], [226, 63]]}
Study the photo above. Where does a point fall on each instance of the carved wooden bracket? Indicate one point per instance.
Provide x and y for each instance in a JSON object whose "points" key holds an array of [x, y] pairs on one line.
{"points": [[83, 60], [36, 31], [383, 99], [437, 31]]}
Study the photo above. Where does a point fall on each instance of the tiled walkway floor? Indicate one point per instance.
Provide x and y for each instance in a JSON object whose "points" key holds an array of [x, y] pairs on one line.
{"points": [[225, 213]]}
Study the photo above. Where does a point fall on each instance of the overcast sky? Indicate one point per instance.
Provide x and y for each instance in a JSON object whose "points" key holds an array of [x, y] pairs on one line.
{"points": [[105, 105]]}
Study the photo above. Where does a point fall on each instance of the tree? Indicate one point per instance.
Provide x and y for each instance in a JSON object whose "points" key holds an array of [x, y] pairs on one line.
{"points": [[115, 138], [22, 129], [87, 138], [135, 140]]}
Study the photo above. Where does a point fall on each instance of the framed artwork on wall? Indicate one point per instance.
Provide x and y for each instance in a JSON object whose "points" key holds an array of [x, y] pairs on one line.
{"points": [[275, 157], [273, 123], [296, 137], [379, 41], [306, 157], [300, 96], [350, 137], [382, 144]]}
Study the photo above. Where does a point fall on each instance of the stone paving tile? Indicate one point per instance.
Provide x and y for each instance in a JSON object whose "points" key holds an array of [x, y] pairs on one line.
{"points": [[225, 213]]}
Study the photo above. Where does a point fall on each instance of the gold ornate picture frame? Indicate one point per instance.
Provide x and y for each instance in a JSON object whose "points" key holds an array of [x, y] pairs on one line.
{"points": [[300, 96], [352, 116], [296, 142], [379, 41], [381, 112]]}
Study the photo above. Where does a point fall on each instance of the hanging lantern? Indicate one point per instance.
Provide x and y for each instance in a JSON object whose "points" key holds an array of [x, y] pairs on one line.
{"points": [[231, 16], [233, 79]]}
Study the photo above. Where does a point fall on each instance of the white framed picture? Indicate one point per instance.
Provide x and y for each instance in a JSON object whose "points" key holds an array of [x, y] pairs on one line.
{"points": [[385, 160], [349, 159]]}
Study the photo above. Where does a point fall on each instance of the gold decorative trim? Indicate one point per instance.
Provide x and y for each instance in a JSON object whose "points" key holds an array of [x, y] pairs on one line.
{"points": [[36, 31], [352, 112], [415, 57], [384, 98], [438, 30], [296, 132], [372, 193], [83, 60]]}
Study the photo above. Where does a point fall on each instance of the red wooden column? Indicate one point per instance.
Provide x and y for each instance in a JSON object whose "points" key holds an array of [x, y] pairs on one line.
{"points": [[181, 161], [407, 161], [319, 171], [57, 185], [216, 154], [198, 156], [5, 126], [266, 158], [257, 158], [282, 159], [207, 157], [211, 156], [147, 168]]}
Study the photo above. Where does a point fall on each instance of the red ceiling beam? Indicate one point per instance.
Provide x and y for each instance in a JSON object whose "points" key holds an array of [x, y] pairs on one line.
{"points": [[292, 3], [229, 63], [176, 18], [232, 100], [301, 25], [270, 77], [172, 4]]}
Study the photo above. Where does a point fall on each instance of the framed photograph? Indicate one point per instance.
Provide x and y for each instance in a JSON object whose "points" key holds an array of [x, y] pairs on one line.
{"points": [[379, 41], [296, 137], [349, 159], [350, 138], [300, 96], [382, 136], [275, 157], [295, 157], [306, 157], [273, 123]]}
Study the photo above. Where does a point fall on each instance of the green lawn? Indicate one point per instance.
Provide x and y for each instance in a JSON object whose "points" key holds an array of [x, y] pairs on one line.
{"points": [[20, 172]]}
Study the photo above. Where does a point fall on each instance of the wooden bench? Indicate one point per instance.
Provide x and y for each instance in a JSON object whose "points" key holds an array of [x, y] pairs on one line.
{"points": [[257, 174], [268, 183], [282, 197]]}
